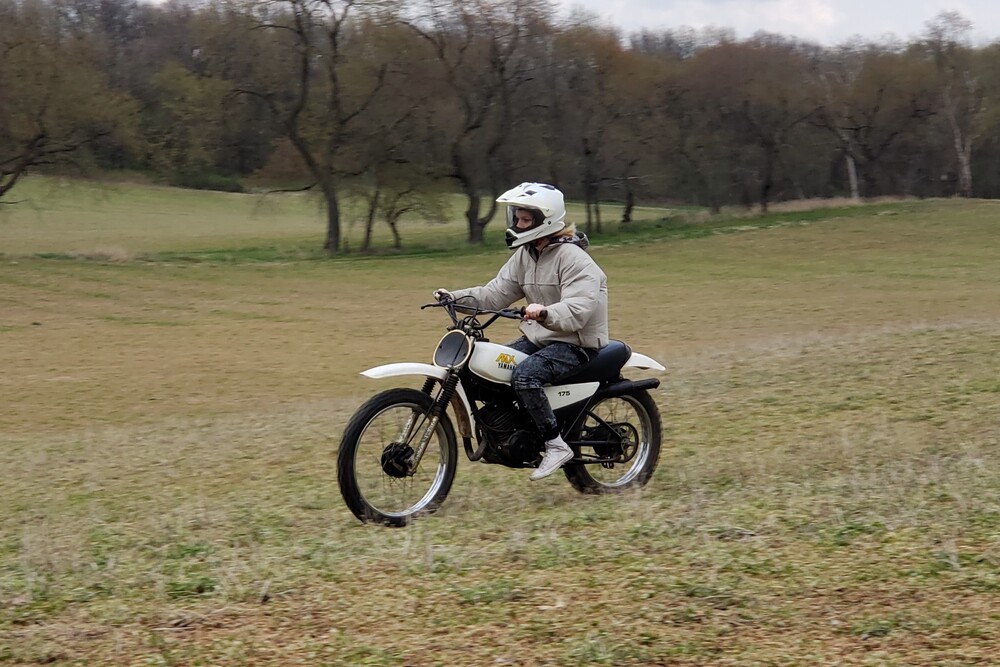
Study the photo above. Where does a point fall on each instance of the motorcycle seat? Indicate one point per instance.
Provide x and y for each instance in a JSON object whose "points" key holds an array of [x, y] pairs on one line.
{"points": [[607, 365]]}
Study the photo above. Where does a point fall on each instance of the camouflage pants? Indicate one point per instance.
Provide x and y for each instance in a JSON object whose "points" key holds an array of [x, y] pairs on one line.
{"points": [[543, 366]]}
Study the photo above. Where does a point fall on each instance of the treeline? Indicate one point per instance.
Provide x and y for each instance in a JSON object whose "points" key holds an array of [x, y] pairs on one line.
{"points": [[393, 101]]}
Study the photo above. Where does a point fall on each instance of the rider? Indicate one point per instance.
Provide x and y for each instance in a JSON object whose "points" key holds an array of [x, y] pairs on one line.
{"points": [[566, 319]]}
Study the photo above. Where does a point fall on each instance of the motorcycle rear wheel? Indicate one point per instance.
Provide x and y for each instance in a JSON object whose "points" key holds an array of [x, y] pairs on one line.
{"points": [[371, 462], [642, 430]]}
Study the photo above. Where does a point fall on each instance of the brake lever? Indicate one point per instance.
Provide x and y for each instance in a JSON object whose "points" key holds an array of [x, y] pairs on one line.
{"points": [[439, 304]]}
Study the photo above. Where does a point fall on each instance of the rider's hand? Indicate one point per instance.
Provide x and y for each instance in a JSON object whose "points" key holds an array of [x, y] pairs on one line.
{"points": [[442, 295], [534, 311]]}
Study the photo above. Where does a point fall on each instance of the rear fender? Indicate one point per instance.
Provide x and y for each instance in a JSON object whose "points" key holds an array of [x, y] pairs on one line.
{"points": [[459, 402], [642, 361]]}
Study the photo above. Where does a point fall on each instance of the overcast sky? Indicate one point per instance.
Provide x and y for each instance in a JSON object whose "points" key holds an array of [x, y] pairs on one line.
{"points": [[824, 21]]}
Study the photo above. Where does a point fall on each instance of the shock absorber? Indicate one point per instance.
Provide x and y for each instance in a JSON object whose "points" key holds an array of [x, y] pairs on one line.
{"points": [[437, 410], [444, 398]]}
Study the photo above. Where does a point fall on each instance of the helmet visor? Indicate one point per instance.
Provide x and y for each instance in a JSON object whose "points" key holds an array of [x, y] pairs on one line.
{"points": [[524, 219]]}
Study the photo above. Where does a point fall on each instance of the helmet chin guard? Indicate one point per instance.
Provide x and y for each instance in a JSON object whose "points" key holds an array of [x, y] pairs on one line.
{"points": [[548, 212]]}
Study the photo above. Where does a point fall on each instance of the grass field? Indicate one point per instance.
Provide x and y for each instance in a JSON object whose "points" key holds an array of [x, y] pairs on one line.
{"points": [[829, 492], [120, 221]]}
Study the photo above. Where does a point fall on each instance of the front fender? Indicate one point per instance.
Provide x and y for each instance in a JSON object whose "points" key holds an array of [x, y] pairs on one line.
{"points": [[406, 368], [459, 402]]}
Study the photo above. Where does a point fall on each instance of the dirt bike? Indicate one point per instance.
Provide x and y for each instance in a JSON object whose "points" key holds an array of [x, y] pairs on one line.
{"points": [[399, 452]]}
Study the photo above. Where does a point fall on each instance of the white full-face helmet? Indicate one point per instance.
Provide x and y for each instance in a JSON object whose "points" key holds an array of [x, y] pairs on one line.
{"points": [[547, 206]]}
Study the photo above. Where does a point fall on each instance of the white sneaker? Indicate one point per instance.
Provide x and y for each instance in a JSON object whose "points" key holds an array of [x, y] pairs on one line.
{"points": [[557, 452]]}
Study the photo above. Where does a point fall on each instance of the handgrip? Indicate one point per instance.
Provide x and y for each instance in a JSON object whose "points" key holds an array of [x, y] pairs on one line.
{"points": [[541, 317]]}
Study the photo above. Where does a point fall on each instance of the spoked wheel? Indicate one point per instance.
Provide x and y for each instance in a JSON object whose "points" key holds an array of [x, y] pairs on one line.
{"points": [[374, 466], [621, 437]]}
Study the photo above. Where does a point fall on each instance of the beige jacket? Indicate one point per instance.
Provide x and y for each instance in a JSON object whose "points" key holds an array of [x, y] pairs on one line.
{"points": [[564, 279]]}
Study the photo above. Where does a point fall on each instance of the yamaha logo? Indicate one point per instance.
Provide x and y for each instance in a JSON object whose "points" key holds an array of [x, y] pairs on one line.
{"points": [[506, 361]]}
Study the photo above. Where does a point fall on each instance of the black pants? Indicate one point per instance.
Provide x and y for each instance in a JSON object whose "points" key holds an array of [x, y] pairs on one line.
{"points": [[543, 366]]}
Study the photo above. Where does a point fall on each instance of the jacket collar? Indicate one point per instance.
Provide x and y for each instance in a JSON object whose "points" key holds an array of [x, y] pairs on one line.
{"points": [[579, 239]]}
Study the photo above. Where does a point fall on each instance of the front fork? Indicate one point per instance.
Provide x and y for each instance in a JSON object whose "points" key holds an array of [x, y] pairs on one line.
{"points": [[437, 409]]}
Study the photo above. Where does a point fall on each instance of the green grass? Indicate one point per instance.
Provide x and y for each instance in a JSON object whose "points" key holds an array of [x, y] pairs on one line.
{"points": [[57, 218], [828, 493], [69, 219]]}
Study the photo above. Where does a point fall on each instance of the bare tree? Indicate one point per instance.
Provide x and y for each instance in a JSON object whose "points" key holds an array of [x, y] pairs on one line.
{"points": [[592, 75], [770, 105], [479, 49], [333, 81], [55, 100], [869, 99], [962, 93], [391, 191]]}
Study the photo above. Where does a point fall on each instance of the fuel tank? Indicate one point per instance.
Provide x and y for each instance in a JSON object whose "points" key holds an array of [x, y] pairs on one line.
{"points": [[495, 362]]}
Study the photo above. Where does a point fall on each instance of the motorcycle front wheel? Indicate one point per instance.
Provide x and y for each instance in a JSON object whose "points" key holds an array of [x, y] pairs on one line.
{"points": [[374, 465], [626, 428]]}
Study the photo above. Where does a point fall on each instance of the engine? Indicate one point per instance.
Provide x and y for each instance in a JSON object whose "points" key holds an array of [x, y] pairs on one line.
{"points": [[511, 438]]}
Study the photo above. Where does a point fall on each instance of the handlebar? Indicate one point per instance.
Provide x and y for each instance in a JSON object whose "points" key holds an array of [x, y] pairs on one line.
{"points": [[507, 313]]}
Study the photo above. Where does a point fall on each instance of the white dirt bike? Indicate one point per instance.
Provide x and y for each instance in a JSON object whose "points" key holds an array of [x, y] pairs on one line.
{"points": [[399, 452]]}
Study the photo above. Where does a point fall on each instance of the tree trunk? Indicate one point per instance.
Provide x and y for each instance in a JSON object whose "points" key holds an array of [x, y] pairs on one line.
{"points": [[475, 219], [849, 148], [629, 204], [589, 191], [332, 244], [476, 235], [767, 182], [870, 182], [963, 151], [963, 147], [852, 176], [397, 241], [964, 174], [472, 216], [366, 245]]}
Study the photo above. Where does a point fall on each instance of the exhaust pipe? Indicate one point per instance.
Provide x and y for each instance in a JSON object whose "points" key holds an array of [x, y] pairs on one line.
{"points": [[626, 387]]}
